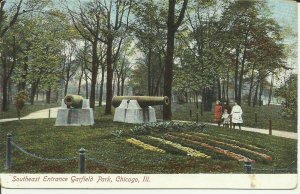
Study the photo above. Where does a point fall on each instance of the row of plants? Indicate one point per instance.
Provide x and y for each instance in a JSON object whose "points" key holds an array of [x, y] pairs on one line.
{"points": [[224, 145], [163, 146], [145, 146], [148, 128], [229, 140], [245, 141], [188, 150], [170, 149], [228, 153]]}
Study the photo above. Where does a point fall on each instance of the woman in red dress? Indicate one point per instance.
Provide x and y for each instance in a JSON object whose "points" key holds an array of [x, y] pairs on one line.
{"points": [[218, 112]]}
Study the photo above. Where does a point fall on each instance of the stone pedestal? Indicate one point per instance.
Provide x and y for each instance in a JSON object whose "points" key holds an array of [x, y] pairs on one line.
{"points": [[75, 117], [130, 111]]}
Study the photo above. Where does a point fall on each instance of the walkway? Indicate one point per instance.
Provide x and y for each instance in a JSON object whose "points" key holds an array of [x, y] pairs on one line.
{"points": [[285, 134], [53, 112]]}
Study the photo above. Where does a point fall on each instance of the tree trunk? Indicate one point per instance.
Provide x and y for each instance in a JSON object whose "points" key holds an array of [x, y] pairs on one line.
{"points": [[22, 85], [251, 86], [101, 85], [94, 73], [261, 90], [79, 83], [219, 89], [33, 91], [255, 94], [168, 74], [109, 77], [236, 73], [149, 71], [207, 99], [4, 94], [48, 96], [66, 86], [241, 76], [271, 90], [86, 85], [227, 85]]}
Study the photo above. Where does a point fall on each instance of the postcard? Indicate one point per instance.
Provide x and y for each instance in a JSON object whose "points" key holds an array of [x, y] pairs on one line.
{"points": [[127, 94]]}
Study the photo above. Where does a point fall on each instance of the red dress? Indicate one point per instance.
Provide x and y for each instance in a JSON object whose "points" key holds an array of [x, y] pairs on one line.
{"points": [[218, 112]]}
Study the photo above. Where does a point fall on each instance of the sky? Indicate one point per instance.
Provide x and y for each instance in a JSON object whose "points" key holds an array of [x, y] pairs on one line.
{"points": [[285, 13]]}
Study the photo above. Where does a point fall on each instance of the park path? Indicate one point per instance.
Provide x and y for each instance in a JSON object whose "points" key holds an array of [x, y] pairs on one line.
{"points": [[53, 112]]}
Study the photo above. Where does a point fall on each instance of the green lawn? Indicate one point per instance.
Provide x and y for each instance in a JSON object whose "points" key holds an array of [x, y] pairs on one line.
{"points": [[118, 156], [12, 112], [264, 114]]}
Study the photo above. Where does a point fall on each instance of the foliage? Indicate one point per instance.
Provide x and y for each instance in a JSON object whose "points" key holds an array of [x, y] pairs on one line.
{"points": [[20, 100], [289, 93], [149, 128]]}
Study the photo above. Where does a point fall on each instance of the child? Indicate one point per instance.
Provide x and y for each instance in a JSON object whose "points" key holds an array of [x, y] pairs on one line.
{"points": [[226, 119]]}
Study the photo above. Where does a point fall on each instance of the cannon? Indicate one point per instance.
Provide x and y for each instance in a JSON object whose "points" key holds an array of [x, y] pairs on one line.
{"points": [[74, 111], [136, 109], [74, 101], [143, 101]]}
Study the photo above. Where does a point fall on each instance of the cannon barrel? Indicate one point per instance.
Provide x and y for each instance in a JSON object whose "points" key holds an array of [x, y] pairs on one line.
{"points": [[74, 101], [144, 101]]}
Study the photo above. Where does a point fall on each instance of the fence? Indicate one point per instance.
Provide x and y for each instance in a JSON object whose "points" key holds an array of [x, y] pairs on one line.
{"points": [[248, 168], [82, 157]]}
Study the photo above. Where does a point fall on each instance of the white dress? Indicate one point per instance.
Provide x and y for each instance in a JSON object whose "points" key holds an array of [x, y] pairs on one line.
{"points": [[236, 113]]}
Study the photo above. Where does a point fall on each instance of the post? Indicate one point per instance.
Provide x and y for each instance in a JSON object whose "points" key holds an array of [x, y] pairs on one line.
{"points": [[270, 127], [190, 114], [197, 117], [49, 113], [255, 118], [248, 167], [9, 151], [82, 160]]}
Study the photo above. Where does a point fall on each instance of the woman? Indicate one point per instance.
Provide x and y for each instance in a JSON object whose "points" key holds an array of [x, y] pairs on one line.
{"points": [[236, 115], [218, 112]]}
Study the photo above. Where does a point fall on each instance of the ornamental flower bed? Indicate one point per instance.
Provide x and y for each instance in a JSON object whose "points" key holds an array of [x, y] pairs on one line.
{"points": [[145, 146], [248, 146], [238, 157], [161, 145], [197, 138], [188, 150]]}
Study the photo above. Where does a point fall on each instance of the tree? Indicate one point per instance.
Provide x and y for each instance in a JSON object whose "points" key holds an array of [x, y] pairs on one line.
{"points": [[149, 29], [9, 15], [172, 27], [288, 91]]}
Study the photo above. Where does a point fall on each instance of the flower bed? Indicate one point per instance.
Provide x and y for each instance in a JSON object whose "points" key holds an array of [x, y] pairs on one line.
{"points": [[161, 145], [249, 146], [188, 150], [238, 157], [197, 138], [144, 145]]}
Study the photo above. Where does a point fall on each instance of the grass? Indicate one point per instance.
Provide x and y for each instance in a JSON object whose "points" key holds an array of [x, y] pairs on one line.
{"points": [[42, 138], [264, 114], [12, 112]]}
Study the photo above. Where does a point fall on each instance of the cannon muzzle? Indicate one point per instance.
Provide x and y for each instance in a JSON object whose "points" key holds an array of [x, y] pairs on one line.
{"points": [[74, 101], [144, 101]]}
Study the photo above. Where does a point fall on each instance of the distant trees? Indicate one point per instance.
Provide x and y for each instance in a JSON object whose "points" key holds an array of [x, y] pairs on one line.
{"points": [[288, 91]]}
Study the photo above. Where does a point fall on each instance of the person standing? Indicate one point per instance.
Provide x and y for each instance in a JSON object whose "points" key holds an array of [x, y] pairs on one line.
{"points": [[236, 115], [226, 118], [218, 112]]}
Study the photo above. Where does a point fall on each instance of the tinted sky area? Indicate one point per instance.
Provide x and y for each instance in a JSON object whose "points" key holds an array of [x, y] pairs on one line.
{"points": [[285, 12]]}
